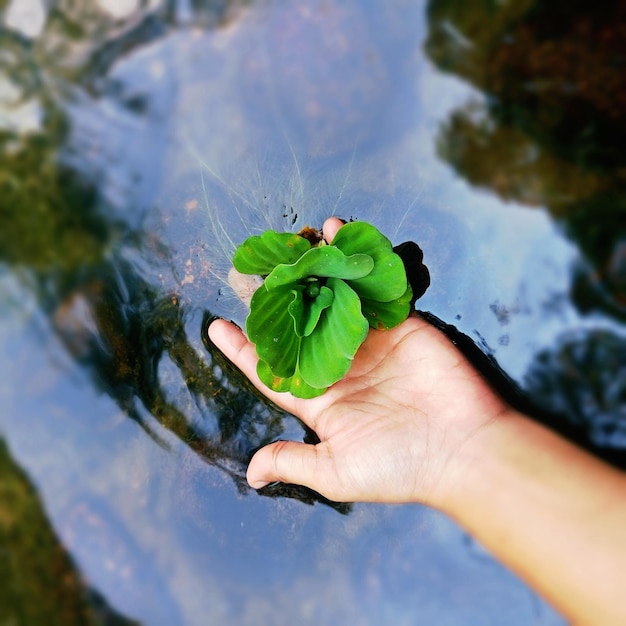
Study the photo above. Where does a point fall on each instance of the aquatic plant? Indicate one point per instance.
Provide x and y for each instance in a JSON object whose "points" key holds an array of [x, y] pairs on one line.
{"points": [[317, 302]]}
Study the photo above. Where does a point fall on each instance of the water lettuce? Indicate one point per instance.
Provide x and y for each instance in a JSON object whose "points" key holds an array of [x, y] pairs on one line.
{"points": [[318, 302]]}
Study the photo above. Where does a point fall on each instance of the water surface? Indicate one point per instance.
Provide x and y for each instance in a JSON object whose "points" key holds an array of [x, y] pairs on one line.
{"points": [[140, 142]]}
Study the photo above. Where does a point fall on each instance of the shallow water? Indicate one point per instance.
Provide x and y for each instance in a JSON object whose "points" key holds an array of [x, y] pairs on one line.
{"points": [[140, 144]]}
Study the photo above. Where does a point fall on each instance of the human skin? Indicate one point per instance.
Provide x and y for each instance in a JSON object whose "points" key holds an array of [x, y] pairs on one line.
{"points": [[413, 422]]}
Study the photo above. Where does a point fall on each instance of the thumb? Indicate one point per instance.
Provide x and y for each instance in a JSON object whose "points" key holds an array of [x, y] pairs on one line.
{"points": [[286, 462]]}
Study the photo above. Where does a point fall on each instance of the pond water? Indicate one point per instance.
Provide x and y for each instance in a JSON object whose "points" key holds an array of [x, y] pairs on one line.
{"points": [[140, 142]]}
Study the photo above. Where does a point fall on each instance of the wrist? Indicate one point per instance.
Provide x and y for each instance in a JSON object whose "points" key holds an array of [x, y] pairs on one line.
{"points": [[473, 469]]}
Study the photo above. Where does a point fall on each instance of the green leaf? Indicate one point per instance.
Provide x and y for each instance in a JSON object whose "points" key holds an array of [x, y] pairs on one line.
{"points": [[387, 280], [260, 254], [293, 384], [306, 313], [326, 262], [271, 327], [327, 353], [386, 315], [317, 304]]}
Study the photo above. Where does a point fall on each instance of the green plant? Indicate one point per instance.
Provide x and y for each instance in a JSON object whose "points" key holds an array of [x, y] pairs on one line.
{"points": [[318, 301]]}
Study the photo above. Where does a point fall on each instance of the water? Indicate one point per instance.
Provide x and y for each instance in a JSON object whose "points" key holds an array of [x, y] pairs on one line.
{"points": [[141, 143]]}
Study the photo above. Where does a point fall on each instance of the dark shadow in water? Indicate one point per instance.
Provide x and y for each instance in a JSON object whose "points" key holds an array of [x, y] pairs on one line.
{"points": [[40, 581], [549, 132], [584, 377]]}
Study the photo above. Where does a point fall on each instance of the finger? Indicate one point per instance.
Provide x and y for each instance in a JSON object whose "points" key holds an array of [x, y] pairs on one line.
{"points": [[330, 228], [291, 462], [236, 347]]}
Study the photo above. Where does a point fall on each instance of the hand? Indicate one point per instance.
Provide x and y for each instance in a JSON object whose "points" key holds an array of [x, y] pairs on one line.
{"points": [[395, 429]]}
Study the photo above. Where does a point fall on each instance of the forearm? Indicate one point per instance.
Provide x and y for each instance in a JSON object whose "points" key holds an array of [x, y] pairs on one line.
{"points": [[551, 512]]}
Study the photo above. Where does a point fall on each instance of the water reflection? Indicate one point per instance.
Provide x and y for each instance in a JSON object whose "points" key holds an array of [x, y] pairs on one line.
{"points": [[41, 582], [548, 131], [141, 141]]}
